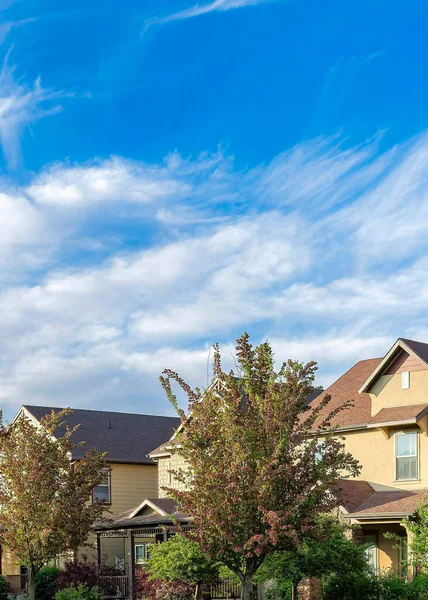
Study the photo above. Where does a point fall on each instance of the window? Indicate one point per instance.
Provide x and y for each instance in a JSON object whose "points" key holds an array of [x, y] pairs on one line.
{"points": [[371, 551], [406, 455], [403, 556], [101, 493], [142, 553], [405, 380]]}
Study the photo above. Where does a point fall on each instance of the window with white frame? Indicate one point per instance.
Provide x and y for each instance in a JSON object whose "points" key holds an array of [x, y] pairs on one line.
{"points": [[406, 455], [142, 553], [102, 492]]}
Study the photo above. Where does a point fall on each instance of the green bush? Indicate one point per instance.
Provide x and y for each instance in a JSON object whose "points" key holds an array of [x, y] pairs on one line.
{"points": [[46, 580], [81, 592], [4, 588], [371, 587]]}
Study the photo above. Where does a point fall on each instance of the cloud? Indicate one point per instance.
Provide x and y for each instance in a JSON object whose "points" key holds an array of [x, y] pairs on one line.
{"points": [[198, 10], [20, 106], [322, 250]]}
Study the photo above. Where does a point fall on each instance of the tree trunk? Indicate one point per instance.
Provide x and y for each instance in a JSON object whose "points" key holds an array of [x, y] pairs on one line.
{"points": [[247, 588], [31, 589]]}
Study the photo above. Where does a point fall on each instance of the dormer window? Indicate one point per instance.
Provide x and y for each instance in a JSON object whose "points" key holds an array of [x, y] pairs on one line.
{"points": [[406, 455], [405, 380]]}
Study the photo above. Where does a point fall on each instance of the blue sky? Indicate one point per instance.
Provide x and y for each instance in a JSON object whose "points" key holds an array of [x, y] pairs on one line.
{"points": [[173, 174]]}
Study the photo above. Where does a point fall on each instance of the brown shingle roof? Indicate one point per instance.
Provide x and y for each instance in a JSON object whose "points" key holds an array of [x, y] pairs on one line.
{"points": [[346, 388], [399, 502], [398, 414], [352, 492]]}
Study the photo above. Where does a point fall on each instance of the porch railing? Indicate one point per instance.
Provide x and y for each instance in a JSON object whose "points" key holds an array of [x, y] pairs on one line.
{"points": [[17, 583], [114, 586]]}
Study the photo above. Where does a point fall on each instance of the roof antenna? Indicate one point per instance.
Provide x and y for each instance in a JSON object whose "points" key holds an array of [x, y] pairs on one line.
{"points": [[208, 365]]}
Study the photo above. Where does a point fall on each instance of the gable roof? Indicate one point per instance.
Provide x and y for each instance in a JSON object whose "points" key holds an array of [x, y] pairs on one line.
{"points": [[346, 388], [126, 437], [165, 512], [417, 349]]}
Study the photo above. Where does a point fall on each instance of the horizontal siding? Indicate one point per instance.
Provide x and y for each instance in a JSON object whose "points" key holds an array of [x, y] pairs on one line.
{"points": [[405, 362], [131, 484]]}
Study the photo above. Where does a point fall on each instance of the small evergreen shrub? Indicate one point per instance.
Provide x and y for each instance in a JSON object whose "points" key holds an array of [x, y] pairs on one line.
{"points": [[46, 582], [81, 592], [4, 588]]}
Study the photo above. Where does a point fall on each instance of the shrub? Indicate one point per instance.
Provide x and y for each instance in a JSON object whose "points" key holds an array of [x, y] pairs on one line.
{"points": [[81, 572], [81, 592], [155, 589], [46, 581], [4, 588]]}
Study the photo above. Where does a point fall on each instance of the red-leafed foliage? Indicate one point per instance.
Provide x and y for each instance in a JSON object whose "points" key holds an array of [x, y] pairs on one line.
{"points": [[155, 589], [261, 461]]}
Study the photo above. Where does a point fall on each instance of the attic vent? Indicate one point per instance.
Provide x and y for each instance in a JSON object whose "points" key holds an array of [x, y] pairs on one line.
{"points": [[405, 380]]}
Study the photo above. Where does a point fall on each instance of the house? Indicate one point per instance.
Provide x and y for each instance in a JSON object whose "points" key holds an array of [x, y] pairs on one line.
{"points": [[130, 474], [386, 431]]}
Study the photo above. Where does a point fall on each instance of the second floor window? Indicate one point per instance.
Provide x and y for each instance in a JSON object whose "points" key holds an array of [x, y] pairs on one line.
{"points": [[101, 493], [406, 455]]}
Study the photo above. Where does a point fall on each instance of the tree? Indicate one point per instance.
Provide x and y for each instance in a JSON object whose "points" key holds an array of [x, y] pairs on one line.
{"points": [[333, 554], [417, 534], [180, 559], [44, 495], [261, 461]]}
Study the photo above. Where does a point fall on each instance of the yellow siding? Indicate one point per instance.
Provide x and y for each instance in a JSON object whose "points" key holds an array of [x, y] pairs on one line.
{"points": [[10, 563], [131, 484]]}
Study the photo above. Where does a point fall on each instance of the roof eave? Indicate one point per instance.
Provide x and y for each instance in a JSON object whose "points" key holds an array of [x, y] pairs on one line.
{"points": [[400, 343]]}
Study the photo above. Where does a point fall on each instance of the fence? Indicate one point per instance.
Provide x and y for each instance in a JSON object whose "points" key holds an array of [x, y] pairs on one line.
{"points": [[225, 588], [17, 583], [114, 586]]}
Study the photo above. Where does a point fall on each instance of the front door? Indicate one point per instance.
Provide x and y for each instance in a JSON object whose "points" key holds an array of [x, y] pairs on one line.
{"points": [[371, 551]]}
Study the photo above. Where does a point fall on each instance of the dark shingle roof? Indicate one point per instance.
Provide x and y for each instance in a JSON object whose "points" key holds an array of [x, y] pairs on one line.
{"points": [[126, 437], [419, 348]]}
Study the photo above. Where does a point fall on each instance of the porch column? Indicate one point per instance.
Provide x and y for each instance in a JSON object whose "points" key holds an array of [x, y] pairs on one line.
{"points": [[98, 550], [165, 534], [131, 564]]}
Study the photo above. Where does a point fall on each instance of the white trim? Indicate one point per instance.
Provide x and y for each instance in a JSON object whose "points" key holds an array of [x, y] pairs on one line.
{"points": [[417, 456], [149, 503], [387, 358]]}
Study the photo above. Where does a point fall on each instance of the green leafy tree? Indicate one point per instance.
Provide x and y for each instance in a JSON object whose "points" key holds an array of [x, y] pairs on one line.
{"points": [[333, 554], [180, 559], [254, 482], [417, 533], [44, 496]]}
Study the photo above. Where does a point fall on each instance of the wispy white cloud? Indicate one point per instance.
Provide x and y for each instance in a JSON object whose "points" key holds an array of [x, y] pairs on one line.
{"points": [[322, 250], [20, 106], [198, 10]]}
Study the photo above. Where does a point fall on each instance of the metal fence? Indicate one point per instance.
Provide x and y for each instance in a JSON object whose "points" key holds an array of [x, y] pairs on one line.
{"points": [[114, 586], [225, 588]]}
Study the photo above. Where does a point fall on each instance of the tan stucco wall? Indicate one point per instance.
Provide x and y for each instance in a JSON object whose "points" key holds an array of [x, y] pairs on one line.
{"points": [[173, 462], [376, 453], [387, 391]]}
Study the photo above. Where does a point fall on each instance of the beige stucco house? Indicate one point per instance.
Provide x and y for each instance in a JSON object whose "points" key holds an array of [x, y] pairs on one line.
{"points": [[386, 430]]}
